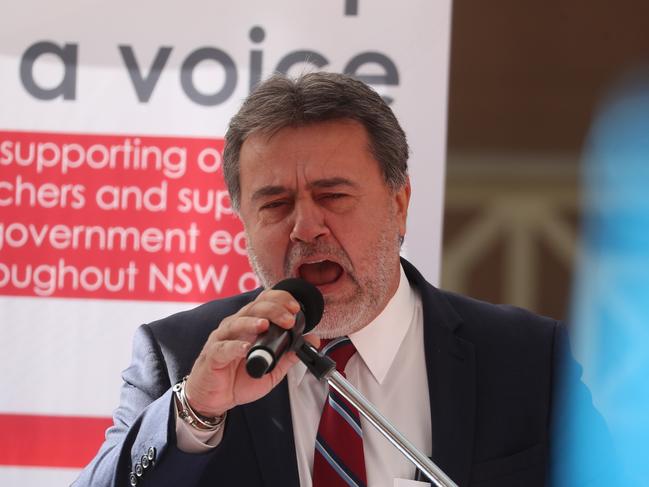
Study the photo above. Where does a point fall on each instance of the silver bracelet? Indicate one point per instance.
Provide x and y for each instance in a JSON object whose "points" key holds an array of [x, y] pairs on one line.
{"points": [[191, 417]]}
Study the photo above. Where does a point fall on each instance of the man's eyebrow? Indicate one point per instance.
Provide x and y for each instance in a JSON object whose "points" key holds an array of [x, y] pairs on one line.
{"points": [[333, 182], [266, 191], [325, 183]]}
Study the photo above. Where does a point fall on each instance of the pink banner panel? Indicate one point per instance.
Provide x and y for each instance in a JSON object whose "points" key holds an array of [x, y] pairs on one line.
{"points": [[53, 441], [117, 217]]}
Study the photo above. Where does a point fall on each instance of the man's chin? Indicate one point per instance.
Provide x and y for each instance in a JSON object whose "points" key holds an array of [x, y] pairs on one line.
{"points": [[341, 319]]}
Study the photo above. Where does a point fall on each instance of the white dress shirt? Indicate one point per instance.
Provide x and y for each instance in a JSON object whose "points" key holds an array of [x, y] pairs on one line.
{"points": [[389, 370]]}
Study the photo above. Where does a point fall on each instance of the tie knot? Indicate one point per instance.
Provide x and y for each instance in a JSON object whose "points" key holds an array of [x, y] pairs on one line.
{"points": [[339, 350]]}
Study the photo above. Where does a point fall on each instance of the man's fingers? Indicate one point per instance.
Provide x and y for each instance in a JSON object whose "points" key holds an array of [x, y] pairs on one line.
{"points": [[220, 353], [277, 306], [254, 320], [237, 328], [275, 312], [281, 297], [271, 306]]}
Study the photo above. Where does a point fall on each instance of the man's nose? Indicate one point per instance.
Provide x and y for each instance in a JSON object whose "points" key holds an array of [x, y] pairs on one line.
{"points": [[309, 223]]}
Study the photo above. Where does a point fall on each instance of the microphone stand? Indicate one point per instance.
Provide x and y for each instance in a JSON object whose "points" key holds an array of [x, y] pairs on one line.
{"points": [[324, 368]]}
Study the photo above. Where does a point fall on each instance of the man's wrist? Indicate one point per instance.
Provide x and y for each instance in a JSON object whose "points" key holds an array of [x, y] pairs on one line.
{"points": [[191, 417]]}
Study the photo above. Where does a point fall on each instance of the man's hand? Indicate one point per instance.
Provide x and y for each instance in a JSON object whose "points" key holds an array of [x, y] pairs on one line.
{"points": [[218, 380]]}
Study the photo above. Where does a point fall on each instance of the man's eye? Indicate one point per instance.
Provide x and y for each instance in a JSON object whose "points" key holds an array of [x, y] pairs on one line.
{"points": [[333, 196], [272, 205]]}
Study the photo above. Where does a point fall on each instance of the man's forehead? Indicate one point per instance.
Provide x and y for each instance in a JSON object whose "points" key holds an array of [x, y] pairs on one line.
{"points": [[319, 155], [336, 129], [314, 146]]}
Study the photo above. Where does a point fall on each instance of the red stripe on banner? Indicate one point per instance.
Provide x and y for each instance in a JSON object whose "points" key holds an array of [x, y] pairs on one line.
{"points": [[50, 441]]}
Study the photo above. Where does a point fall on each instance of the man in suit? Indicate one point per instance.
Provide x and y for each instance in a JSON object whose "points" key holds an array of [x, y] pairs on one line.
{"points": [[317, 171]]}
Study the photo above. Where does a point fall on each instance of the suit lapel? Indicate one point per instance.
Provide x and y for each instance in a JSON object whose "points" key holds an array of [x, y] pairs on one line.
{"points": [[271, 429], [451, 369], [451, 378]]}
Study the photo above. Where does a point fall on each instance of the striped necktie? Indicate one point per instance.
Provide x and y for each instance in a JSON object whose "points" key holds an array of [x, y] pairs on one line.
{"points": [[338, 459]]}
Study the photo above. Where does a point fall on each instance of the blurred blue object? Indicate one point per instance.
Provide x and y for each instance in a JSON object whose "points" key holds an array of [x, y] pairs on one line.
{"points": [[610, 315]]}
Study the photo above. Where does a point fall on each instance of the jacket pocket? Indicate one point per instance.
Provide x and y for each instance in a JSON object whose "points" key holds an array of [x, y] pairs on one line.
{"points": [[524, 468]]}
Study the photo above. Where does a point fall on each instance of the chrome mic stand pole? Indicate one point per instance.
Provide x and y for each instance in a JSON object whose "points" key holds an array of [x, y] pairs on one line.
{"points": [[325, 369]]}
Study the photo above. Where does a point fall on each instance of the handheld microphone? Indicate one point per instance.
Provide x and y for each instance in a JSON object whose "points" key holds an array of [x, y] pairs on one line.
{"points": [[273, 343]]}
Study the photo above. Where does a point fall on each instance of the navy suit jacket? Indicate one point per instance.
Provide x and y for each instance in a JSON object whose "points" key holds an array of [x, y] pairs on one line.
{"points": [[490, 375]]}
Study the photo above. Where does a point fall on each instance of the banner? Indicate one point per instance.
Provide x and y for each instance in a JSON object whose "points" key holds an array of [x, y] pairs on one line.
{"points": [[113, 209]]}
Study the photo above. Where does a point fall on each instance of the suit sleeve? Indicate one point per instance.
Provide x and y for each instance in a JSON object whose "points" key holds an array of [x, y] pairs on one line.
{"points": [[142, 439]]}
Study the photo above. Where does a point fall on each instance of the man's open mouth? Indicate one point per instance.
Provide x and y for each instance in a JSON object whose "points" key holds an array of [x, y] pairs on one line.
{"points": [[320, 273]]}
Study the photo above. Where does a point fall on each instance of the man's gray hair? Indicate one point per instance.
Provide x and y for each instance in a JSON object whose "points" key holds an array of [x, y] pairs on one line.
{"points": [[280, 102]]}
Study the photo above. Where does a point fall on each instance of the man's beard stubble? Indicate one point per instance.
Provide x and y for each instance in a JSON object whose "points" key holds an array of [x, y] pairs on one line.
{"points": [[372, 279]]}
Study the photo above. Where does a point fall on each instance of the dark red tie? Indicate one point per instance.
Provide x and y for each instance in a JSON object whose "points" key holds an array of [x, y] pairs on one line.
{"points": [[338, 459]]}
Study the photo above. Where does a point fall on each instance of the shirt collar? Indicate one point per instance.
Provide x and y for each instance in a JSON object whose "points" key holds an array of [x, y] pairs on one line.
{"points": [[379, 341]]}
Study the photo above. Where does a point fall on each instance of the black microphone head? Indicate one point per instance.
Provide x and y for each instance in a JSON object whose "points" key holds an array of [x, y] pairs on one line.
{"points": [[308, 296]]}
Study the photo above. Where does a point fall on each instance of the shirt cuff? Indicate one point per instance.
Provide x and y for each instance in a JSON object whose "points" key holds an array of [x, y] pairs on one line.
{"points": [[192, 440]]}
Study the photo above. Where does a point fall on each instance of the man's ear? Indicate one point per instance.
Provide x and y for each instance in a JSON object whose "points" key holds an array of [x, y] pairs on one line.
{"points": [[402, 200]]}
